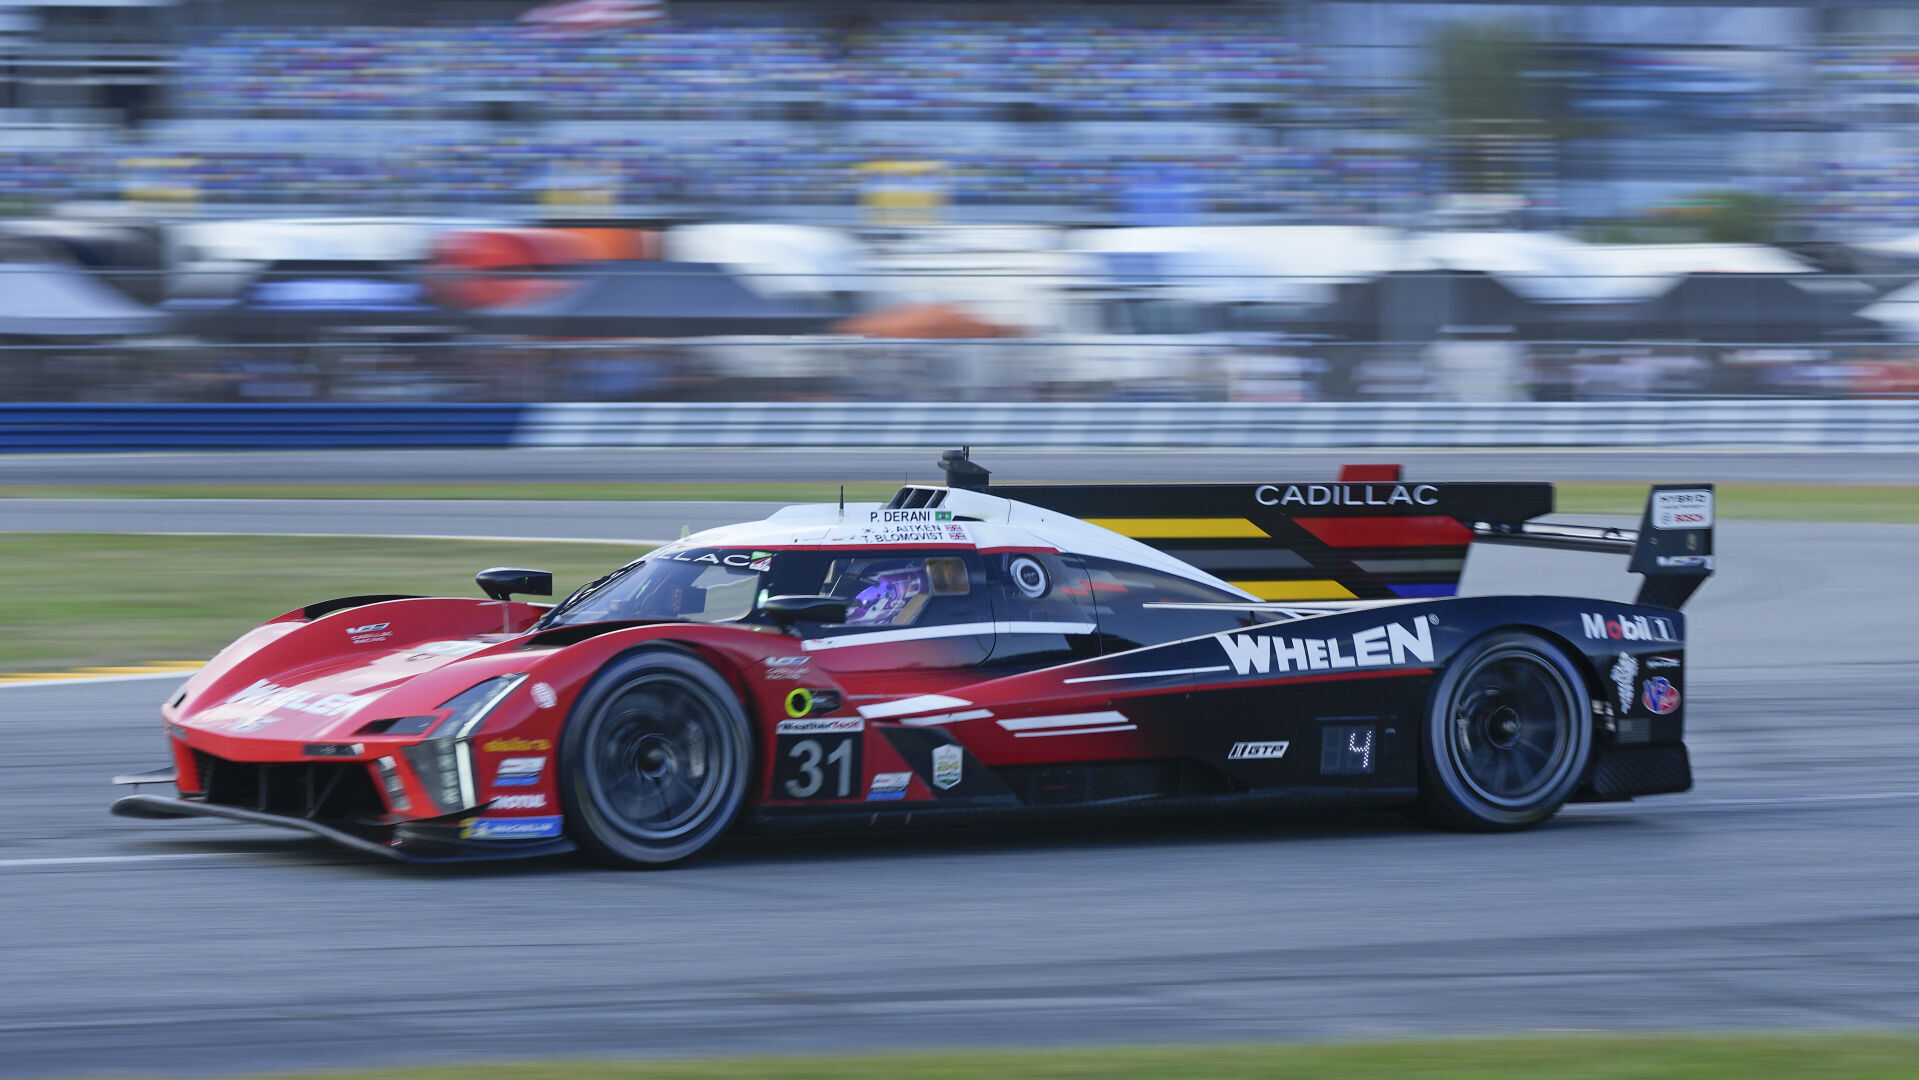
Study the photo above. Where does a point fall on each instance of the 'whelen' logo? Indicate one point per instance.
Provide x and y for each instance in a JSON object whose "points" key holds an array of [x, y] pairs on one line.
{"points": [[1380, 646], [1627, 627]]}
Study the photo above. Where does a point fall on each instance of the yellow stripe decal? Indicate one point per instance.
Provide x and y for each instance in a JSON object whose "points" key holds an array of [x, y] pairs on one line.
{"points": [[1180, 528], [157, 667], [1296, 590]]}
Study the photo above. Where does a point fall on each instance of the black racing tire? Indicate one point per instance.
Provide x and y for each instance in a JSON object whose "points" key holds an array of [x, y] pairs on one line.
{"points": [[1507, 736], [655, 760]]}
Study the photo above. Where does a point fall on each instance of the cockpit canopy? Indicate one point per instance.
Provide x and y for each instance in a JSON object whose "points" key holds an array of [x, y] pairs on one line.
{"points": [[728, 584]]}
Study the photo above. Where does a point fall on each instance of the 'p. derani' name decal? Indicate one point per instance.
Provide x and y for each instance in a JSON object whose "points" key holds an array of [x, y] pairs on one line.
{"points": [[1381, 646]]}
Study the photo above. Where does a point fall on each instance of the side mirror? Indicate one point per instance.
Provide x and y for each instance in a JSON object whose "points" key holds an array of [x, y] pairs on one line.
{"points": [[787, 610], [503, 581]]}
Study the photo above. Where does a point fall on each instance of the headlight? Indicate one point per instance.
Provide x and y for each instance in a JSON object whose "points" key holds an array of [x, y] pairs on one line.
{"points": [[468, 709], [445, 769], [444, 762]]}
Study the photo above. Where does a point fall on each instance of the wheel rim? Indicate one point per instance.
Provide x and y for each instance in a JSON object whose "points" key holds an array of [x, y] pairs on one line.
{"points": [[1511, 732], [660, 759]]}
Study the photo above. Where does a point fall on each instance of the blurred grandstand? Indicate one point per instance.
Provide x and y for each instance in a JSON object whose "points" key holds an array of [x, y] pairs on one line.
{"points": [[1216, 200]]}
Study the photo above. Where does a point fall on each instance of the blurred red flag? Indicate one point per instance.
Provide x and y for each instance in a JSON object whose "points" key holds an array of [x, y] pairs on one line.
{"points": [[579, 18]]}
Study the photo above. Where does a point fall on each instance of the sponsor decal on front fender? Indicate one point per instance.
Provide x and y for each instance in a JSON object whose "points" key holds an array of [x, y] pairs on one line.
{"points": [[519, 771], [786, 667], [821, 726], [519, 828], [516, 746]]}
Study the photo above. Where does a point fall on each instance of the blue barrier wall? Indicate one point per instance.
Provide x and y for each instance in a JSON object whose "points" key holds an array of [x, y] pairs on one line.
{"points": [[63, 428], [1770, 423], [1773, 423]]}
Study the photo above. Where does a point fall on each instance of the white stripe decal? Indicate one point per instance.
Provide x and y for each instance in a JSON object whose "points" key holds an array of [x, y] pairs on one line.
{"points": [[1029, 723], [923, 633], [89, 680], [946, 718], [1150, 674], [921, 703], [1075, 731], [89, 860]]}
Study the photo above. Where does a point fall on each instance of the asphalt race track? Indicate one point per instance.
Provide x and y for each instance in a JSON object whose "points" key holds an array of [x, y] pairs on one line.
{"points": [[1783, 892]]}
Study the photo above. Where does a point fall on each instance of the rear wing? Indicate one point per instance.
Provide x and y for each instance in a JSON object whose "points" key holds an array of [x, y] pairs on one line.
{"points": [[1672, 547], [1370, 535]]}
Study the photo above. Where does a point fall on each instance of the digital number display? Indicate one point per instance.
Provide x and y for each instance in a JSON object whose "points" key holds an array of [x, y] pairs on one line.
{"points": [[1346, 750]]}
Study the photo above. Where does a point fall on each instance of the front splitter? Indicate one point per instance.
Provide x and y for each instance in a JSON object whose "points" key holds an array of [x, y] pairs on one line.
{"points": [[436, 850]]}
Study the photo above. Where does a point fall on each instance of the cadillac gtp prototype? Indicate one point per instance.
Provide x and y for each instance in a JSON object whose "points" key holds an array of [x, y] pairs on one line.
{"points": [[966, 653]]}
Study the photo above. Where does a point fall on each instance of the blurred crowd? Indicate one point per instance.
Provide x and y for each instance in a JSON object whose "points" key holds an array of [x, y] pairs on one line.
{"points": [[484, 113], [1082, 66], [1331, 187]]}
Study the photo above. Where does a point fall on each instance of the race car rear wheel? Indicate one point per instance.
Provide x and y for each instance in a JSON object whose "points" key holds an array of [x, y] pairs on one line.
{"points": [[1507, 736], [655, 760]]}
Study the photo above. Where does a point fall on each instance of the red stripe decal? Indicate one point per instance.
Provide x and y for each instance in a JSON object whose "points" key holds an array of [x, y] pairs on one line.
{"points": [[1358, 474], [1431, 531]]}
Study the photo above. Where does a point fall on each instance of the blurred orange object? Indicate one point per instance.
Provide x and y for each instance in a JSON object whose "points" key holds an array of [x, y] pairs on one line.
{"points": [[482, 268], [923, 321], [1885, 377], [620, 244]]}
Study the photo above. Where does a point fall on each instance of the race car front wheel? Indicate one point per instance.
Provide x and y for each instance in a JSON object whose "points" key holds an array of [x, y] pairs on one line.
{"points": [[1506, 738], [655, 760]]}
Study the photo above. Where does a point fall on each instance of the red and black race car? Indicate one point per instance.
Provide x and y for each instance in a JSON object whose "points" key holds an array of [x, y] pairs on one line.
{"points": [[965, 653]]}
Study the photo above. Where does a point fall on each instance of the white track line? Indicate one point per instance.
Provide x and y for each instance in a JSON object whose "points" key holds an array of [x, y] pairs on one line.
{"points": [[88, 860], [86, 680], [418, 536]]}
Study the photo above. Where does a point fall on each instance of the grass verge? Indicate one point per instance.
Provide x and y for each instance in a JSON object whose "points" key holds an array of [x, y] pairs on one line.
{"points": [[1657, 1057], [99, 599], [1897, 504], [1890, 503]]}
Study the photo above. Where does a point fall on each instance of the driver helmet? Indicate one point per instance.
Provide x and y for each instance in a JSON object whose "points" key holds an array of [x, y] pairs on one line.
{"points": [[886, 595]]}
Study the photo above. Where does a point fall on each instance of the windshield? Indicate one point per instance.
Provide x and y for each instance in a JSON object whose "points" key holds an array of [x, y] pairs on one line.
{"points": [[701, 584]]}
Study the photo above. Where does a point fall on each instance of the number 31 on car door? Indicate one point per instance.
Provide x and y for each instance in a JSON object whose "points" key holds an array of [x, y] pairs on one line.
{"points": [[817, 759]]}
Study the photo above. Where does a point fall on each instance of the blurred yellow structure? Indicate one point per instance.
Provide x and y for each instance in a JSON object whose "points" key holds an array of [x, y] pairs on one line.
{"points": [[903, 192], [159, 179]]}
